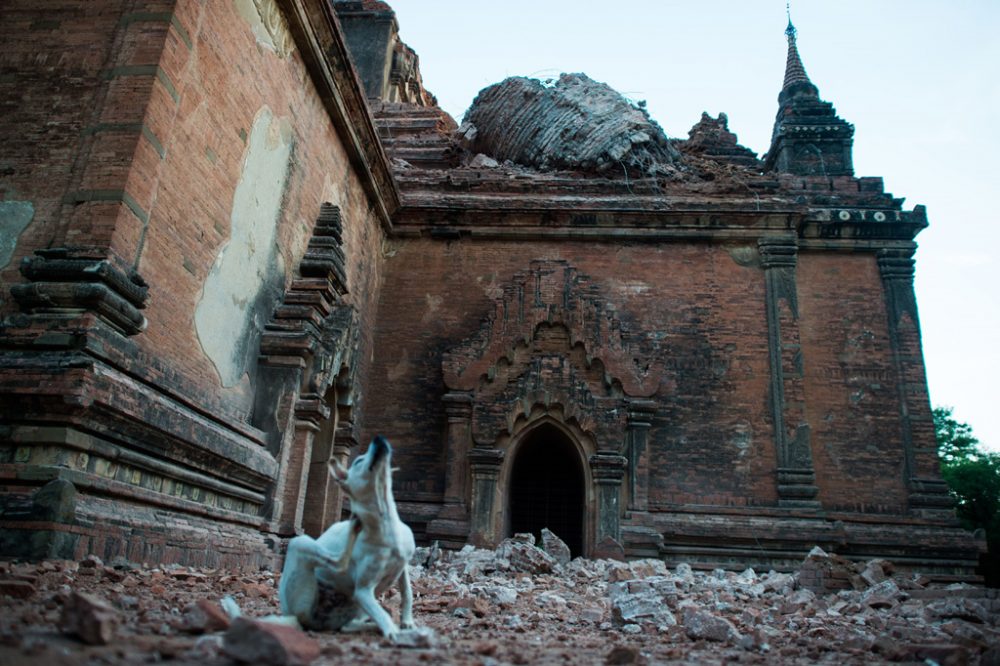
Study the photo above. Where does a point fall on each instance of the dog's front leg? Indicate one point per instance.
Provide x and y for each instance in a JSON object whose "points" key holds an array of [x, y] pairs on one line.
{"points": [[406, 604], [365, 597]]}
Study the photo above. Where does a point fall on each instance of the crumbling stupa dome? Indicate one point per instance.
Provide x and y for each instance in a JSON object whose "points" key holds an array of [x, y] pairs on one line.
{"points": [[577, 123]]}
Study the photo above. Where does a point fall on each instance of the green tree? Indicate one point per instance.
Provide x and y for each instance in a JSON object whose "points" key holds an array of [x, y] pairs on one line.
{"points": [[954, 439], [973, 475]]}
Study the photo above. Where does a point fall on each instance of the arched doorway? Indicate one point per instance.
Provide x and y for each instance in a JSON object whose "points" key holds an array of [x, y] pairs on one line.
{"points": [[547, 487]]}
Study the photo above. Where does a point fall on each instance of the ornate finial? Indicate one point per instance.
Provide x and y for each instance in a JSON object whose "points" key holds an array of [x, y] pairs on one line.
{"points": [[790, 30]]}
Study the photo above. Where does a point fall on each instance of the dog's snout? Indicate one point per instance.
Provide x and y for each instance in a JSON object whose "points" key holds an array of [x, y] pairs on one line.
{"points": [[382, 448]]}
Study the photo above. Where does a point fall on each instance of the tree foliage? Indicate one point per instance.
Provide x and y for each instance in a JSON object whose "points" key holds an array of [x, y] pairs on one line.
{"points": [[972, 474], [955, 440]]}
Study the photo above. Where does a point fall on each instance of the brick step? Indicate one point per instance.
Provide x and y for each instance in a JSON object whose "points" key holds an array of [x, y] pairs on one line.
{"points": [[411, 127], [418, 141], [406, 110], [422, 154]]}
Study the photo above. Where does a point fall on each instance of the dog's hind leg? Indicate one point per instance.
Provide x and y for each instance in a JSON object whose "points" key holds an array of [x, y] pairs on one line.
{"points": [[298, 589], [406, 603]]}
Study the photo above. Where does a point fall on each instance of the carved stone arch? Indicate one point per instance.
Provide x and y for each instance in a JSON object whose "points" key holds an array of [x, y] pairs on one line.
{"points": [[551, 342], [581, 444]]}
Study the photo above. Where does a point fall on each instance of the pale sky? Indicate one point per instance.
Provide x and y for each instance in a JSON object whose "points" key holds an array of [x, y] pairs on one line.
{"points": [[919, 79]]}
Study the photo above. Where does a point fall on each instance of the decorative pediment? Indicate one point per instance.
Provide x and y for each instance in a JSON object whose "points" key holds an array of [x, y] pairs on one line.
{"points": [[554, 293], [550, 375]]}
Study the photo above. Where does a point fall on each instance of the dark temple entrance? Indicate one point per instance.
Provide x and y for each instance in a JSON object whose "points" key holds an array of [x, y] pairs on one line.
{"points": [[547, 488]]}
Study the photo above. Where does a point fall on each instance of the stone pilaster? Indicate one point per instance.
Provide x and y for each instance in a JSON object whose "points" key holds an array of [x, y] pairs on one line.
{"points": [[796, 478], [452, 522], [485, 464], [608, 471], [640, 418], [928, 492], [290, 487], [458, 407]]}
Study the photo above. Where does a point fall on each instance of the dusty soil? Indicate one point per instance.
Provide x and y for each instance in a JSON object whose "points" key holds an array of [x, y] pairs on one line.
{"points": [[518, 605]]}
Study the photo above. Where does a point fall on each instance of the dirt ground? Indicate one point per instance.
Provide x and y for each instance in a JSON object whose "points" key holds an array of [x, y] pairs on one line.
{"points": [[515, 605]]}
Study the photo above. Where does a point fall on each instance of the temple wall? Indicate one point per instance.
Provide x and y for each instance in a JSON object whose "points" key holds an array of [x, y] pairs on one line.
{"points": [[695, 304], [851, 389], [185, 145]]}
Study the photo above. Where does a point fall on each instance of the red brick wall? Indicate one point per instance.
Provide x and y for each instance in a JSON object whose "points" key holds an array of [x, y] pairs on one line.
{"points": [[68, 113], [156, 99], [222, 81], [712, 439], [851, 393]]}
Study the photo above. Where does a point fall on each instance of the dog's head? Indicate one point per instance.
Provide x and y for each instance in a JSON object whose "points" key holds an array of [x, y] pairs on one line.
{"points": [[368, 480]]}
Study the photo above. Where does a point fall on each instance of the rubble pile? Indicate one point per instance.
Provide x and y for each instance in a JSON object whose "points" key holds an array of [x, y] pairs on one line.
{"points": [[576, 123], [517, 604]]}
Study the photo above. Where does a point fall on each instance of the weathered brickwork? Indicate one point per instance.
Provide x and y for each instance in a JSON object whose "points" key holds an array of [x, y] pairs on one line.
{"points": [[151, 109], [850, 384]]}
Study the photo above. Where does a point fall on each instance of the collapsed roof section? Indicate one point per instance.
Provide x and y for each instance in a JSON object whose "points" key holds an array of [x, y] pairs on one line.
{"points": [[576, 124]]}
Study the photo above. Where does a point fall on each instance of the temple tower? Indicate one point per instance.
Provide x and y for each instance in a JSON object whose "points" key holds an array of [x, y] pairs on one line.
{"points": [[809, 139]]}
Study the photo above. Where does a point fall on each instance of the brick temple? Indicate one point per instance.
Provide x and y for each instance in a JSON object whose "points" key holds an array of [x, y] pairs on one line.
{"points": [[238, 239]]}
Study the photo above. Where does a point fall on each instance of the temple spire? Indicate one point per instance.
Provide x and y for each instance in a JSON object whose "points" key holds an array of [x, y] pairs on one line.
{"points": [[809, 139], [794, 70]]}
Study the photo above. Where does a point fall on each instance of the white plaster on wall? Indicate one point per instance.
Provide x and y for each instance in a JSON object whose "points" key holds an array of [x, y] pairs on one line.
{"points": [[15, 216], [248, 275], [267, 24]]}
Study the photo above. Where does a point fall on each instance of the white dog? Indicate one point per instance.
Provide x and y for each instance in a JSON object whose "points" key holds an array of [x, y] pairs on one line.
{"points": [[359, 558]]}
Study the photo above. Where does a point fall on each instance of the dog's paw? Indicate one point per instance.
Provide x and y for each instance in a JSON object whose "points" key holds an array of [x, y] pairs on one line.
{"points": [[358, 625], [414, 637]]}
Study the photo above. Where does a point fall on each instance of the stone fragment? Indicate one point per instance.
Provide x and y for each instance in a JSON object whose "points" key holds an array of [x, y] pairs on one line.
{"points": [[781, 583], [550, 600], [701, 624], [621, 655], [822, 572], [256, 642], [609, 549], [91, 562], [19, 589], [883, 595], [876, 571], [476, 605], [684, 574], [501, 595], [481, 161], [957, 608], [555, 546], [90, 619], [643, 601], [204, 617], [648, 568], [522, 556]]}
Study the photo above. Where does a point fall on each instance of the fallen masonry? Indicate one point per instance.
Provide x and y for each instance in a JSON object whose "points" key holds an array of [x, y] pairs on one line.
{"points": [[513, 605]]}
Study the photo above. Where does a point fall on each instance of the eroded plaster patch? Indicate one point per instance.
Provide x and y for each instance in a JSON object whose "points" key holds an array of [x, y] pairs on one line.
{"points": [[15, 216], [248, 276], [267, 24]]}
